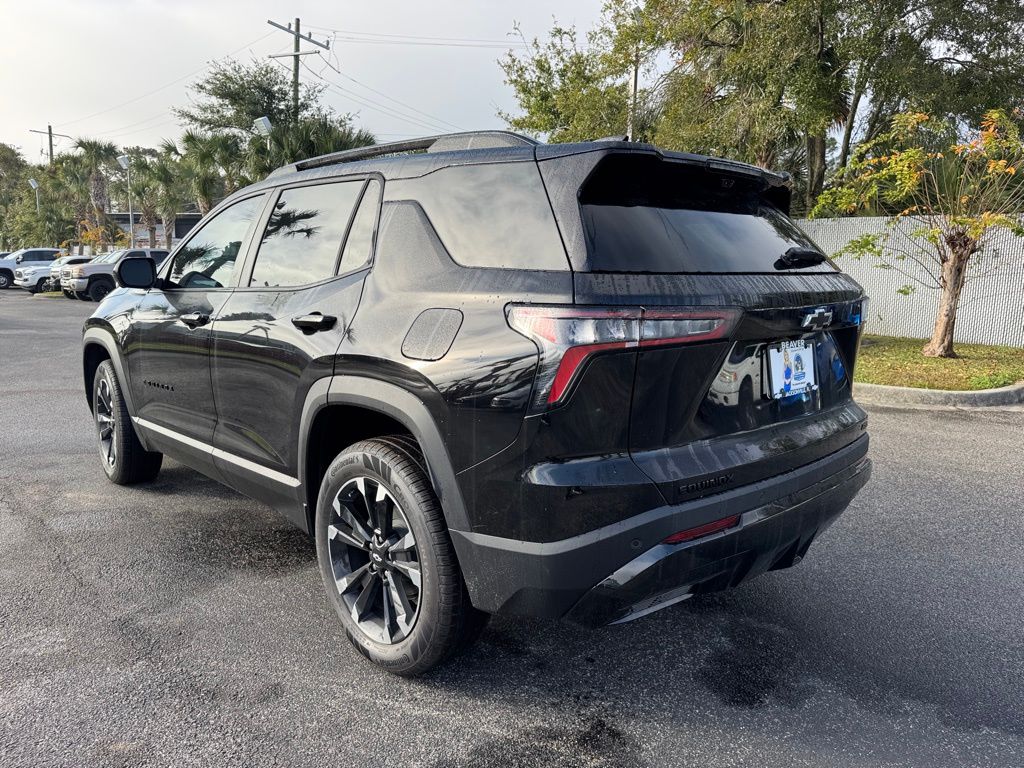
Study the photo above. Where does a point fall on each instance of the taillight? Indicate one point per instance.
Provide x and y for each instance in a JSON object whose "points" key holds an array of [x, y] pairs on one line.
{"points": [[569, 336]]}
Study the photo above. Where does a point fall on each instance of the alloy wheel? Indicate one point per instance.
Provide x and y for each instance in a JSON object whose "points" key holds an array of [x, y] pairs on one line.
{"points": [[106, 422], [374, 560]]}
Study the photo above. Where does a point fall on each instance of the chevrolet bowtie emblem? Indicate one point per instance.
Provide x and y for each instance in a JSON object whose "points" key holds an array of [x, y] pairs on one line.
{"points": [[818, 319]]}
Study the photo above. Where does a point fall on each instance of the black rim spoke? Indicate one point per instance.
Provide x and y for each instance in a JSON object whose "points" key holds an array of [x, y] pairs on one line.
{"points": [[388, 609], [374, 559], [409, 570], [366, 598], [106, 424], [399, 597], [357, 576]]}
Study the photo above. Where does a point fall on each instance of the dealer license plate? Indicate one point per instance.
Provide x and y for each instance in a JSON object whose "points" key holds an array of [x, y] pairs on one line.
{"points": [[791, 368]]}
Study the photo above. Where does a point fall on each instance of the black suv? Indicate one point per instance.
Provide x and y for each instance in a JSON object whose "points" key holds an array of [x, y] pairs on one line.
{"points": [[495, 376]]}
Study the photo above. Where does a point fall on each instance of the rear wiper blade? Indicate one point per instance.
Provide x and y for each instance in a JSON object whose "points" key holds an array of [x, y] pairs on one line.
{"points": [[799, 257]]}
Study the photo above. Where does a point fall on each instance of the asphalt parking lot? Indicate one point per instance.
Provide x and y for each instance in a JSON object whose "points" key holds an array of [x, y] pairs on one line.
{"points": [[182, 624]]}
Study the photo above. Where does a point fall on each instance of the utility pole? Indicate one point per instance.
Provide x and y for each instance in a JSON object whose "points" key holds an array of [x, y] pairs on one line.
{"points": [[634, 81], [631, 103], [50, 134], [296, 32]]}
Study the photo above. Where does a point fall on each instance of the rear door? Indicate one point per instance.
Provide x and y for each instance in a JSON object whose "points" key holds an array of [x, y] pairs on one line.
{"points": [[278, 333], [168, 342]]}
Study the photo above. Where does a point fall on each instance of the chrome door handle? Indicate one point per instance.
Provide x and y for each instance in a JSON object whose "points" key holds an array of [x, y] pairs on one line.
{"points": [[314, 322], [194, 319]]}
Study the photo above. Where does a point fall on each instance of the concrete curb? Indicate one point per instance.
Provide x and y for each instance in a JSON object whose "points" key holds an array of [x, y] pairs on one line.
{"points": [[880, 394]]}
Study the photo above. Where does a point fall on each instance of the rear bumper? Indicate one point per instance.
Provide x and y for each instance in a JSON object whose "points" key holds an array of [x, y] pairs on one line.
{"points": [[623, 571]]}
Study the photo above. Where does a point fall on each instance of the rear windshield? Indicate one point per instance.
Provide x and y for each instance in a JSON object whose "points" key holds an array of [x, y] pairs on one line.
{"points": [[642, 214]]}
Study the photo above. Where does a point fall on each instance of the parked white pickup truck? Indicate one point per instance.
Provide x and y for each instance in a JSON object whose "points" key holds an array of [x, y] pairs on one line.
{"points": [[38, 277], [93, 281], [26, 257]]}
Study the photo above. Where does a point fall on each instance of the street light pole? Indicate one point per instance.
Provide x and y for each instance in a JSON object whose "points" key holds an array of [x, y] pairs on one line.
{"points": [[125, 162], [35, 185], [262, 126]]}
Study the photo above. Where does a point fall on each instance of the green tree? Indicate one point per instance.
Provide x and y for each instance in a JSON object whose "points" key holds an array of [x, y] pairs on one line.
{"points": [[13, 183], [171, 189], [791, 85], [943, 196], [232, 95], [98, 157], [197, 167], [566, 92], [309, 137]]}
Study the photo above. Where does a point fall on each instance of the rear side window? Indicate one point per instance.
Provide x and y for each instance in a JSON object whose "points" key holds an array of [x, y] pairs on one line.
{"points": [[494, 215], [359, 244], [304, 234], [642, 214]]}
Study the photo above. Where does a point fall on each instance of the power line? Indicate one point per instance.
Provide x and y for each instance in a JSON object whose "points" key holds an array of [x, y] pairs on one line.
{"points": [[468, 41], [433, 118], [162, 87], [377, 106], [374, 41]]}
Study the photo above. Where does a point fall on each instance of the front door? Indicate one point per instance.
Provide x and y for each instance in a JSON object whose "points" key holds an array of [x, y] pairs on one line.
{"points": [[279, 332], [168, 347]]}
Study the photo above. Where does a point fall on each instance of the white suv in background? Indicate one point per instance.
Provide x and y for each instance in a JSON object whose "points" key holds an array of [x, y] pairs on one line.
{"points": [[23, 259], [93, 281]]}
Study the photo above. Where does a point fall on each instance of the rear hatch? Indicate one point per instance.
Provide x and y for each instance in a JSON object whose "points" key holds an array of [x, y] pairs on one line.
{"points": [[674, 234]]}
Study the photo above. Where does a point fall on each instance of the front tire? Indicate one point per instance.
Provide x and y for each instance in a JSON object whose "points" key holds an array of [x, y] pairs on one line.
{"points": [[99, 289], [123, 458], [5, 280], [40, 286], [387, 560]]}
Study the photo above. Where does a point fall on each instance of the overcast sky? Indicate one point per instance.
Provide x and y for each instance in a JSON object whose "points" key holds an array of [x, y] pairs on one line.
{"points": [[112, 69]]}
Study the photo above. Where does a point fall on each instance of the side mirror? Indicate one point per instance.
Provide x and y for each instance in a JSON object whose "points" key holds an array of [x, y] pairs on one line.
{"points": [[19, 259], [135, 272]]}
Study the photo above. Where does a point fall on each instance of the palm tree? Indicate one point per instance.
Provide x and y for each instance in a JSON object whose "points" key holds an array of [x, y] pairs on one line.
{"points": [[71, 183], [294, 141], [201, 178], [97, 155], [171, 190]]}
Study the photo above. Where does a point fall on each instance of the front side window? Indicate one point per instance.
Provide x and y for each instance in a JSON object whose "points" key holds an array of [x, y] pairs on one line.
{"points": [[209, 257], [304, 234]]}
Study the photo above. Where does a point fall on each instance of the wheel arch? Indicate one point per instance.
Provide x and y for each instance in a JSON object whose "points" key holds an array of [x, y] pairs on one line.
{"points": [[372, 408], [99, 345]]}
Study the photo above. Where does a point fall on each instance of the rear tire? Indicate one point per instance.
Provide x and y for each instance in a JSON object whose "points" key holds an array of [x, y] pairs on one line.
{"points": [[99, 289], [123, 458], [367, 552]]}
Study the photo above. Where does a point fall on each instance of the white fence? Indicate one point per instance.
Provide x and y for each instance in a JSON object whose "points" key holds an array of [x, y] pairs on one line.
{"points": [[992, 305]]}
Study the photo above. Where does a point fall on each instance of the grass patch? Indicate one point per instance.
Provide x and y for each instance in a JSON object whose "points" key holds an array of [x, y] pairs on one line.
{"points": [[50, 295], [899, 362]]}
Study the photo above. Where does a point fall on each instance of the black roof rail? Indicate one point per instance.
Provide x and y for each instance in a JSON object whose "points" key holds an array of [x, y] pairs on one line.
{"points": [[441, 143]]}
